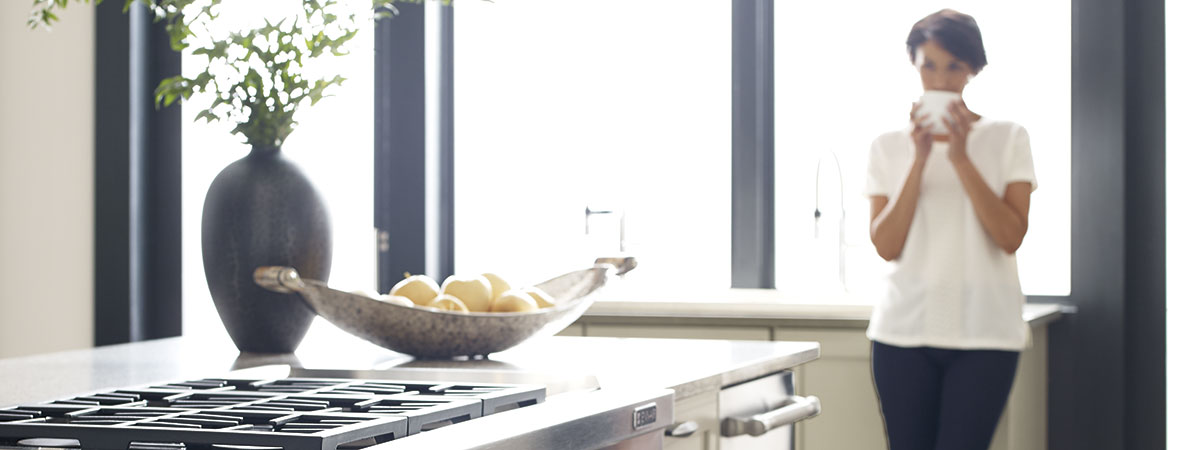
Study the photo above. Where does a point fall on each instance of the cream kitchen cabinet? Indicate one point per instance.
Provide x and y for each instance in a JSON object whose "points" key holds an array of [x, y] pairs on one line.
{"points": [[850, 417], [573, 330], [680, 332], [842, 379], [701, 410]]}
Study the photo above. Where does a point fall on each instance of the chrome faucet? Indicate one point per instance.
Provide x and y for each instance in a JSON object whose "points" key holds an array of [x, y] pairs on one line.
{"points": [[841, 219], [587, 222]]}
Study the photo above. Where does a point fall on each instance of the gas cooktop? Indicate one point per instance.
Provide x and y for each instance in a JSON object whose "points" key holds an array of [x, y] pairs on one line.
{"points": [[230, 413]]}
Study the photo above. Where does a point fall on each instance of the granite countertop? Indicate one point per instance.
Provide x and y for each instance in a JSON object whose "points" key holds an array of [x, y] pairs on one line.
{"points": [[687, 366], [757, 307]]}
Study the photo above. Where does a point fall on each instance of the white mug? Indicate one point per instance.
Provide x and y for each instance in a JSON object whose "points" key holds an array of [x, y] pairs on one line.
{"points": [[935, 104]]}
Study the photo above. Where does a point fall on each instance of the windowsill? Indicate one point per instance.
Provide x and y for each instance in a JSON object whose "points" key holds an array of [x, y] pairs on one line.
{"points": [[818, 308]]}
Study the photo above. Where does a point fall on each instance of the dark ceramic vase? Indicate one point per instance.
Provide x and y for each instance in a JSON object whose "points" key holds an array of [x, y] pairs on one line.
{"points": [[262, 211]]}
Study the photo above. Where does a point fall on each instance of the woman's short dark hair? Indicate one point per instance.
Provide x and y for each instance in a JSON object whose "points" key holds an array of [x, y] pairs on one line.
{"points": [[956, 32]]}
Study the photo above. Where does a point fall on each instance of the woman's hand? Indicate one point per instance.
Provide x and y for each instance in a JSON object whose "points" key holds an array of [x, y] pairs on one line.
{"points": [[922, 135], [959, 124]]}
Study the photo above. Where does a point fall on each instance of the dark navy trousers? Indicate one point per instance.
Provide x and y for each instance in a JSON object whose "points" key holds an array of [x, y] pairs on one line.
{"points": [[941, 399]]}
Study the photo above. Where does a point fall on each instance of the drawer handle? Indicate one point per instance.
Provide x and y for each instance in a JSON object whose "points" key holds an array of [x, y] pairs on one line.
{"points": [[682, 430], [792, 410]]}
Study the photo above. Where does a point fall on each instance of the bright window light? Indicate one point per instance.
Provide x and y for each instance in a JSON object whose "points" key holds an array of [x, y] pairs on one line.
{"points": [[564, 106], [1183, 94]]}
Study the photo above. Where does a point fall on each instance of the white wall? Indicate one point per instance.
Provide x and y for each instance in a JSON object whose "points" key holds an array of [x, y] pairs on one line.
{"points": [[46, 181]]}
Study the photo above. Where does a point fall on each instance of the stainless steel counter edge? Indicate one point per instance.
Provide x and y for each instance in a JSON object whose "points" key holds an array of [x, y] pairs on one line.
{"points": [[581, 421], [762, 367]]}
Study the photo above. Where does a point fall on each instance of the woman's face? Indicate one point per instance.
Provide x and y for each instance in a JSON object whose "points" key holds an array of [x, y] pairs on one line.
{"points": [[940, 70]]}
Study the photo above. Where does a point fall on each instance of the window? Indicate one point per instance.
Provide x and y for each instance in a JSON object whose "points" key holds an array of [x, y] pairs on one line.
{"points": [[1182, 94], [333, 142], [565, 106], [842, 77]]}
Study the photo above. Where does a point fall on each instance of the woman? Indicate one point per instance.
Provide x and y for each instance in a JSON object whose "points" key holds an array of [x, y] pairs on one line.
{"points": [[948, 211]]}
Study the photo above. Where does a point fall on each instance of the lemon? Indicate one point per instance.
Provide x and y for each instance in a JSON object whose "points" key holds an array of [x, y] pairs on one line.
{"points": [[543, 299], [421, 289], [396, 300], [475, 292], [514, 301], [449, 303], [499, 286]]}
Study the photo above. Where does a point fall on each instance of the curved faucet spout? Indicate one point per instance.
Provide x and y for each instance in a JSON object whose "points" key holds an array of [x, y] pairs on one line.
{"points": [[841, 218]]}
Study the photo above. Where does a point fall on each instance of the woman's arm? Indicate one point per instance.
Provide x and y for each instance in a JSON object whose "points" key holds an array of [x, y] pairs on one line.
{"points": [[1005, 219], [890, 221]]}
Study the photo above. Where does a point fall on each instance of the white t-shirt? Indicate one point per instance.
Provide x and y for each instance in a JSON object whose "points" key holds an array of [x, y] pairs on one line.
{"points": [[951, 286]]}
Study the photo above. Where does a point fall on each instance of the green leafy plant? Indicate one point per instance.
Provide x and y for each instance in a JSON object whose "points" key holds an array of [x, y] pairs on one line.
{"points": [[254, 74]]}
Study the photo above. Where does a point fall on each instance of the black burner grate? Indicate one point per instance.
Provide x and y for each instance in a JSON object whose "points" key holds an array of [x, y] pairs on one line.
{"points": [[289, 414]]}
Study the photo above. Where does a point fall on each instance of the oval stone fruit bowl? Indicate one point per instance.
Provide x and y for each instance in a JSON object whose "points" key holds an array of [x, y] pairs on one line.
{"points": [[432, 333]]}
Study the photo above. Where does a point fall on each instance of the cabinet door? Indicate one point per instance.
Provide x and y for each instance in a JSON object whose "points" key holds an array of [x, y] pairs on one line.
{"points": [[841, 378], [702, 410], [850, 410], [575, 329], [1023, 426]]}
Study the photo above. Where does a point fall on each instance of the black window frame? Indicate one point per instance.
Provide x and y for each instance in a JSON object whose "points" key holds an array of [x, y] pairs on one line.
{"points": [[138, 216], [410, 241]]}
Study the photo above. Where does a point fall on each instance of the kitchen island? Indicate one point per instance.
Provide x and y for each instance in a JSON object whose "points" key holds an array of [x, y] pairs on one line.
{"points": [[581, 374]]}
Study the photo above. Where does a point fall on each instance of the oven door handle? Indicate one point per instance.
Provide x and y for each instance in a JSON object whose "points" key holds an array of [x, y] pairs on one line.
{"points": [[792, 410]]}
